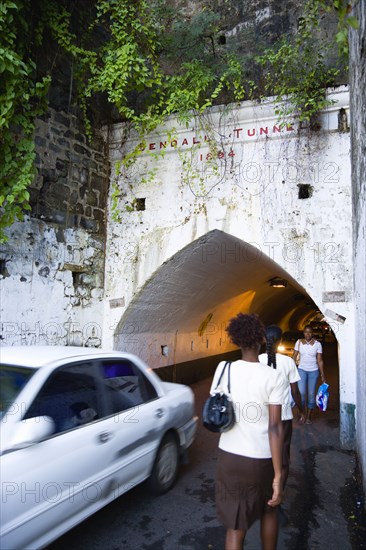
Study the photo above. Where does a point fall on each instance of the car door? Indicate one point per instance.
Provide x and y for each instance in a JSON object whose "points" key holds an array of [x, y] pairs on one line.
{"points": [[136, 422], [55, 483]]}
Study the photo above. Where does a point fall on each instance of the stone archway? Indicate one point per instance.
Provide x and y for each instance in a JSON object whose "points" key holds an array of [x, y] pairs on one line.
{"points": [[181, 312], [177, 322], [158, 281]]}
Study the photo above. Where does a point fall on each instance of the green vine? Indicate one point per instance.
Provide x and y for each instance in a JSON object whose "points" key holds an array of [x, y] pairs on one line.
{"points": [[149, 61], [345, 21], [297, 71], [22, 99]]}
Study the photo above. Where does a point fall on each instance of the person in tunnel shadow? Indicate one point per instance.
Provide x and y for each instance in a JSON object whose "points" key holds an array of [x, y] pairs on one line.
{"points": [[287, 367], [249, 468]]}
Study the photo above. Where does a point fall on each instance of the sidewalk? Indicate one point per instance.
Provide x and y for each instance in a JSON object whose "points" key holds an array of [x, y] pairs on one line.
{"points": [[322, 493], [323, 497]]}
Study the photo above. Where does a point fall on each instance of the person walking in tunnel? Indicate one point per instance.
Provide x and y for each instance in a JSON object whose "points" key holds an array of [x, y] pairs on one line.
{"points": [[311, 363], [287, 367], [249, 469]]}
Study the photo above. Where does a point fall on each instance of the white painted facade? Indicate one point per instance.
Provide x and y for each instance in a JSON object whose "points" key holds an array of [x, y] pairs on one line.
{"points": [[249, 192], [41, 303], [212, 234]]}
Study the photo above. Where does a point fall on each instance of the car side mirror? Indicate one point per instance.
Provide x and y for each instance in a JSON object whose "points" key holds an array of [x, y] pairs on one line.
{"points": [[31, 431]]}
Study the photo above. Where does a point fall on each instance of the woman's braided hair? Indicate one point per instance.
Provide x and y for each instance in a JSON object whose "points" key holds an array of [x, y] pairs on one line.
{"points": [[273, 336]]}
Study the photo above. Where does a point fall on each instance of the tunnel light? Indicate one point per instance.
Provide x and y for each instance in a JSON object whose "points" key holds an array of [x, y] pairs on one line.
{"points": [[276, 282]]}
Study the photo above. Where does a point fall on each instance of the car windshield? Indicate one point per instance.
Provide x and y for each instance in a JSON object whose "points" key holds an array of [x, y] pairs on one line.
{"points": [[12, 381]]}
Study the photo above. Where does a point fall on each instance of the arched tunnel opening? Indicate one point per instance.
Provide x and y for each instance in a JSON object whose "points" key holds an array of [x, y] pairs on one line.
{"points": [[177, 322]]}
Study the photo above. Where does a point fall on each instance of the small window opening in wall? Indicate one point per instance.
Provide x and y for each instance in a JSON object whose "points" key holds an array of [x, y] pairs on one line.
{"points": [[140, 204], [77, 278], [343, 121], [3, 271], [165, 350], [305, 191]]}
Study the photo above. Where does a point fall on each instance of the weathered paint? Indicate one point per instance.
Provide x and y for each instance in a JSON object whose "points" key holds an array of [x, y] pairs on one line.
{"points": [[51, 292], [52, 266], [205, 241], [250, 194], [348, 425], [357, 73]]}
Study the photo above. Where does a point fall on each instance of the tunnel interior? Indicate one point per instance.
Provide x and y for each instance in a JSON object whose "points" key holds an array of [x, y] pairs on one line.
{"points": [[180, 315]]}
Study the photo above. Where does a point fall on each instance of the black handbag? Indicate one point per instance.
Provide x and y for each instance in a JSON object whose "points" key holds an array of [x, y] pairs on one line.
{"points": [[218, 412]]}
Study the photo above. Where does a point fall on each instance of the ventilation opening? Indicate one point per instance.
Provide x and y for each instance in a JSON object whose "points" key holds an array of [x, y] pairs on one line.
{"points": [[77, 278], [305, 191], [3, 271], [343, 121], [140, 204]]}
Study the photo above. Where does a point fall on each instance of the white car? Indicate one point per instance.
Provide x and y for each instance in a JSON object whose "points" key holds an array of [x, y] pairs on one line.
{"points": [[80, 427]]}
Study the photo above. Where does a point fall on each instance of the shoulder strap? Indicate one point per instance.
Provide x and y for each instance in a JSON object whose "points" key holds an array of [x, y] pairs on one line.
{"points": [[228, 376]]}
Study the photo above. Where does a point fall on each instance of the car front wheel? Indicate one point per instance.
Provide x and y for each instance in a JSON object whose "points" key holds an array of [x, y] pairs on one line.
{"points": [[166, 465]]}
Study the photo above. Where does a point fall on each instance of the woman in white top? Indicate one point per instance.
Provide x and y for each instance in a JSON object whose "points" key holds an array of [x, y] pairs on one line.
{"points": [[248, 480], [311, 362], [287, 367]]}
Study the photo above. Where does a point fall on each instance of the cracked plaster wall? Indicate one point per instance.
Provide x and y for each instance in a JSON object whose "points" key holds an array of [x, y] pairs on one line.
{"points": [[251, 194], [358, 140], [52, 266]]}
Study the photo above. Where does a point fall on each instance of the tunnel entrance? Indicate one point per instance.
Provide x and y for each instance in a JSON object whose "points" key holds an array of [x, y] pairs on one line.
{"points": [[181, 313], [177, 322]]}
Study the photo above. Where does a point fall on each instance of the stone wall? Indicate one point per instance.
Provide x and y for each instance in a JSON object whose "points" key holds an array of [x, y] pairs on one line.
{"points": [[52, 266], [250, 27], [72, 183], [358, 140]]}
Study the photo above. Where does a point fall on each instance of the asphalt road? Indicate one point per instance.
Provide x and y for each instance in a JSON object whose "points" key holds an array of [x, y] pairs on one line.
{"points": [[321, 499]]}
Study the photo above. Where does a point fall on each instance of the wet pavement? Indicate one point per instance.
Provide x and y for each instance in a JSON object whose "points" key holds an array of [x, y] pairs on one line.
{"points": [[323, 498]]}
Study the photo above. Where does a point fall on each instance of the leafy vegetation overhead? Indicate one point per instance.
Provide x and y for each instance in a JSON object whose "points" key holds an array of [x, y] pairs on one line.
{"points": [[142, 61]]}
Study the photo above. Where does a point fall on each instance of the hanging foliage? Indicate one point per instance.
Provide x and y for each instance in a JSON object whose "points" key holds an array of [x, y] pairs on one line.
{"points": [[147, 60], [22, 99], [298, 71]]}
